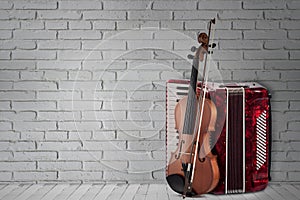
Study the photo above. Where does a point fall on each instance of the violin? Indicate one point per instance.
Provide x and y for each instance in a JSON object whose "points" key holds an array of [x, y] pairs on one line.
{"points": [[193, 169]]}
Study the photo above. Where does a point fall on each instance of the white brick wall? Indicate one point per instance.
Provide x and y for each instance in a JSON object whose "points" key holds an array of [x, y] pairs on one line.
{"points": [[82, 83]]}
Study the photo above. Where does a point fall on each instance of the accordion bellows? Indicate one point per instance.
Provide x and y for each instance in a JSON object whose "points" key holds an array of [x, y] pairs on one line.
{"points": [[241, 139]]}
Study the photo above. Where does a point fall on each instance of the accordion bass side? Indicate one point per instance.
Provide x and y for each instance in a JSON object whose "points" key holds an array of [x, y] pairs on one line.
{"points": [[241, 139]]}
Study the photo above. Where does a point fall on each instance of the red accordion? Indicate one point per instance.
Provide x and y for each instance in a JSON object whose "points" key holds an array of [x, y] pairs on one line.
{"points": [[241, 139]]}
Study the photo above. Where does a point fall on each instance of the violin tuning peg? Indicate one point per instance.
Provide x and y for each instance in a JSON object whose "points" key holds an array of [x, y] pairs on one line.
{"points": [[193, 49], [190, 56]]}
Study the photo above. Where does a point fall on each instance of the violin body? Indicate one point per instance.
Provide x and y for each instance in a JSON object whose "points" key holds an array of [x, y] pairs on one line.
{"points": [[206, 175]]}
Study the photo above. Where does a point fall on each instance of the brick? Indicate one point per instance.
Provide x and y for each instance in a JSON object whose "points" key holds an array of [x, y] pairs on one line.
{"points": [[80, 25], [148, 115], [265, 55], [34, 125], [145, 145], [145, 166], [282, 65], [80, 155], [33, 156], [100, 65], [104, 95], [244, 75], [295, 105], [282, 14], [17, 14], [188, 15], [37, 55], [149, 65], [174, 5], [80, 85], [112, 175], [79, 126], [174, 25], [34, 34], [56, 135], [150, 44], [79, 105], [104, 25], [60, 65], [4, 105], [79, 75], [285, 95], [103, 115], [5, 34], [256, 5], [59, 146], [266, 34], [56, 25], [9, 24], [6, 85], [80, 34], [294, 126], [80, 175], [268, 75], [149, 15], [61, 95], [32, 25], [293, 156], [293, 176], [17, 146], [17, 166], [240, 44], [105, 165], [103, 145], [290, 25], [293, 34], [267, 24], [290, 75], [128, 125], [58, 14], [9, 75], [82, 135], [127, 105], [79, 55], [6, 156], [222, 5], [104, 14], [27, 176], [61, 165], [290, 135], [293, 5], [19, 44], [9, 135], [5, 176], [245, 14], [5, 55], [127, 5], [32, 135], [138, 75], [58, 44], [243, 25], [5, 126], [19, 95], [80, 5], [6, 5], [280, 44], [32, 75], [35, 85], [295, 55], [58, 115], [132, 24], [126, 155], [23, 5], [17, 116], [55, 75], [104, 45]]}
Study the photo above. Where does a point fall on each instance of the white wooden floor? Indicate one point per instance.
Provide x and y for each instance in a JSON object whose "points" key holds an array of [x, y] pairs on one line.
{"points": [[130, 192]]}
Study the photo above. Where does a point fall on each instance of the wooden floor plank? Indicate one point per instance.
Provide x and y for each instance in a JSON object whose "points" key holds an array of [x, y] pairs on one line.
{"points": [[41, 192], [173, 195], [141, 192], [284, 192], [66, 192], [249, 196], [57, 189], [79, 192], [7, 189], [92, 192], [29, 191], [15, 193], [105, 192], [272, 193], [292, 189], [261, 195], [130, 192], [118, 191]]}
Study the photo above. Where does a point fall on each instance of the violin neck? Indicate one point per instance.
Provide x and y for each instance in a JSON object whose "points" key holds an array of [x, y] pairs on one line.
{"points": [[191, 107]]}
